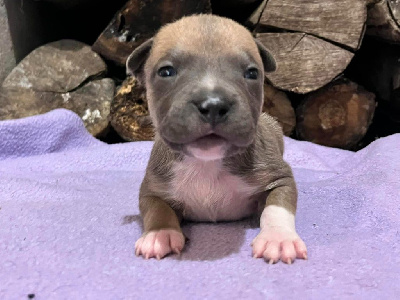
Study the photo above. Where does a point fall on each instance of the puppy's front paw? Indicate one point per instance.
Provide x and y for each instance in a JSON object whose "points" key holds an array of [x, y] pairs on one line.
{"points": [[159, 243], [276, 243]]}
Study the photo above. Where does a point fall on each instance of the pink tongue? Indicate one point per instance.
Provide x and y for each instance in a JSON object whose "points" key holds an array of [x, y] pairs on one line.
{"points": [[208, 141]]}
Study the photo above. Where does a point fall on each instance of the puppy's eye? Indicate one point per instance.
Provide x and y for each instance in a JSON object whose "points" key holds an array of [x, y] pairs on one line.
{"points": [[251, 73], [167, 71]]}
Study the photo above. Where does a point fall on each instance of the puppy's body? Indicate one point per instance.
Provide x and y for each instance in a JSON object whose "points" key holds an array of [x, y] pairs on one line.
{"points": [[215, 157], [218, 190], [208, 191]]}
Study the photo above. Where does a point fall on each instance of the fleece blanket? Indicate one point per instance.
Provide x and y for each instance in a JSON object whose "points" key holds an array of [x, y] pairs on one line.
{"points": [[69, 219]]}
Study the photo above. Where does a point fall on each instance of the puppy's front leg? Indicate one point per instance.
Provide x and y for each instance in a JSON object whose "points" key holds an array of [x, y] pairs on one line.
{"points": [[162, 231], [278, 238]]}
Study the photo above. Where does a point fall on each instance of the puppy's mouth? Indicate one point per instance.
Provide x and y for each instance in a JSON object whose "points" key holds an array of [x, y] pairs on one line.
{"points": [[208, 141], [208, 147]]}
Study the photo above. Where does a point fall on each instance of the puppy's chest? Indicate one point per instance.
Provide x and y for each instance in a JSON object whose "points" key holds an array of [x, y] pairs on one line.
{"points": [[208, 192]]}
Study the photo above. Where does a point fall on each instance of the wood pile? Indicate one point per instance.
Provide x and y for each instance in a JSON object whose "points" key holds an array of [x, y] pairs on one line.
{"points": [[337, 81], [312, 42]]}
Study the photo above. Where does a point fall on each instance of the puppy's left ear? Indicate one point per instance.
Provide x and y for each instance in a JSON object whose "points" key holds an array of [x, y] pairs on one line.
{"points": [[267, 58], [138, 57]]}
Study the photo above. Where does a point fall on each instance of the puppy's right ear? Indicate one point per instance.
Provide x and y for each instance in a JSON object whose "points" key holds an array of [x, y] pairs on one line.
{"points": [[137, 58], [267, 58]]}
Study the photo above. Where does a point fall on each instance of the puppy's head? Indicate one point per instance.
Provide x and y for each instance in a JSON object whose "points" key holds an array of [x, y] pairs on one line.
{"points": [[204, 79]]}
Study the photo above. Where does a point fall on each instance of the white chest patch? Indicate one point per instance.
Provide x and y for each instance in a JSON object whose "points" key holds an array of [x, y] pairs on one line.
{"points": [[210, 193]]}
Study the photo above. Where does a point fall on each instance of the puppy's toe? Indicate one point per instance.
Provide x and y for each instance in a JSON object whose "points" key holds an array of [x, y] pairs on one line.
{"points": [[288, 252], [259, 246], [177, 241], [138, 246], [147, 246], [159, 243], [275, 245], [301, 249], [272, 252]]}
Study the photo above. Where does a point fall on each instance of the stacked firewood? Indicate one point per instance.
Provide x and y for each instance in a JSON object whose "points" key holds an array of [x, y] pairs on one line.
{"points": [[314, 94]]}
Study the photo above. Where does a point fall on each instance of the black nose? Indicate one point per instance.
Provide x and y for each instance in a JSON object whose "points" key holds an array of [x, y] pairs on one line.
{"points": [[214, 110]]}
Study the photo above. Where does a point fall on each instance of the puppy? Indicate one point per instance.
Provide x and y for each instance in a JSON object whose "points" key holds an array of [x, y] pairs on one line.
{"points": [[215, 156]]}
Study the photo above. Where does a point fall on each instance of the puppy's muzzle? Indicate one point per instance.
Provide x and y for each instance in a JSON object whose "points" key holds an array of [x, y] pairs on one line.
{"points": [[213, 110]]}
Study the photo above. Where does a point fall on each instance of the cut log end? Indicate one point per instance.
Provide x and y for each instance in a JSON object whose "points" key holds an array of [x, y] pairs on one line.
{"points": [[341, 22], [312, 44], [338, 115], [304, 62]]}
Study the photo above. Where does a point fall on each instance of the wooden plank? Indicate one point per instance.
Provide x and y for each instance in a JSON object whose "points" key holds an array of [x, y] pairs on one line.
{"points": [[304, 63], [340, 21]]}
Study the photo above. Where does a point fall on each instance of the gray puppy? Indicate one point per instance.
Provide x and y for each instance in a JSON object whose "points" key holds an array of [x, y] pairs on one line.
{"points": [[215, 156]]}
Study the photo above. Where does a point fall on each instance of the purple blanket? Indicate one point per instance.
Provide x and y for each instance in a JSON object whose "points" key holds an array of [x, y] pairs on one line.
{"points": [[69, 219]]}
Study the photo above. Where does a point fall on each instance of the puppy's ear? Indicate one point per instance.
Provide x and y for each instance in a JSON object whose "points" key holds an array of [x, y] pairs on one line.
{"points": [[137, 58], [267, 58]]}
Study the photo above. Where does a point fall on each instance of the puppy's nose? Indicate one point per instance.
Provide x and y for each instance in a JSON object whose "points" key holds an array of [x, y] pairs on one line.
{"points": [[214, 110]]}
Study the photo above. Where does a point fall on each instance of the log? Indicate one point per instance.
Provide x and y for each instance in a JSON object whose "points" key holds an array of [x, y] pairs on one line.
{"points": [[129, 115], [384, 20], [304, 62], [137, 21], [337, 115], [313, 41], [339, 21], [278, 105]]}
